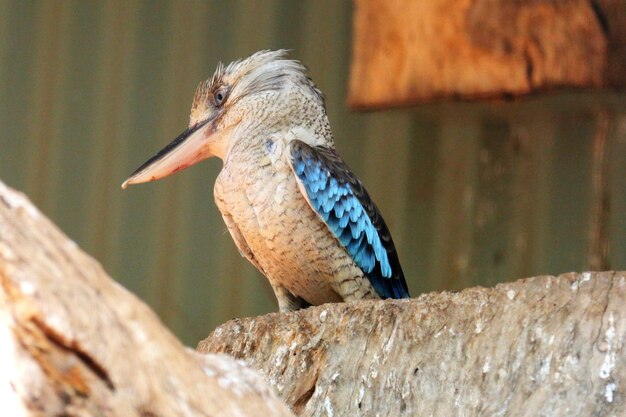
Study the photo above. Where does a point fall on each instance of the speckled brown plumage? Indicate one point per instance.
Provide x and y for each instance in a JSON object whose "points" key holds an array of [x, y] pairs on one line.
{"points": [[249, 114]]}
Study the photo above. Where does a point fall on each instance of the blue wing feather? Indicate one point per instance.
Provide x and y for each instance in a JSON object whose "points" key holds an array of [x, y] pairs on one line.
{"points": [[348, 211]]}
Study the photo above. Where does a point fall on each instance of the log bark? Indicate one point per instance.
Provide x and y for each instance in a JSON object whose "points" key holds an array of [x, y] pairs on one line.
{"points": [[75, 343], [407, 52], [543, 346]]}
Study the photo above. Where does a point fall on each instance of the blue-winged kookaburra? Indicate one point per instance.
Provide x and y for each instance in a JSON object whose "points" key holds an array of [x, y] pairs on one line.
{"points": [[291, 204]]}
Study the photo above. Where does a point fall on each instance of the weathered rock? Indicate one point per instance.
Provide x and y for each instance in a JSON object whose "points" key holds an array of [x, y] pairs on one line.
{"points": [[74, 343], [544, 346]]}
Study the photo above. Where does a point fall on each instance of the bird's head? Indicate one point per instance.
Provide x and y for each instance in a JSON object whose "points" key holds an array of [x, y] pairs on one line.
{"points": [[262, 88]]}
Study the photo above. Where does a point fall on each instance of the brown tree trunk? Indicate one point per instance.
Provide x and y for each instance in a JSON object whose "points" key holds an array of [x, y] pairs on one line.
{"points": [[75, 343], [407, 52], [544, 346]]}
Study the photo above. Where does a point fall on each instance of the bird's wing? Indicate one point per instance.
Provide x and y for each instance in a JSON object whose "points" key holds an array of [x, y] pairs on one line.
{"points": [[342, 202]]}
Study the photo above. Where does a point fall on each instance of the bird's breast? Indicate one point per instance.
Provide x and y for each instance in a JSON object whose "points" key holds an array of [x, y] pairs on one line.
{"points": [[289, 241]]}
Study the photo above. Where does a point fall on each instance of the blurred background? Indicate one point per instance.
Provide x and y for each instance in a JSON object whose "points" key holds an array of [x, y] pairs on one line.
{"points": [[474, 193]]}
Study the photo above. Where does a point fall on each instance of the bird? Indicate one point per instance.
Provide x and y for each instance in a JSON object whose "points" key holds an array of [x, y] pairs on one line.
{"points": [[292, 205]]}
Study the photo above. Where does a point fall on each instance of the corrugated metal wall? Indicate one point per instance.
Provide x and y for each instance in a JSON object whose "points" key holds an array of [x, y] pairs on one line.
{"points": [[474, 193]]}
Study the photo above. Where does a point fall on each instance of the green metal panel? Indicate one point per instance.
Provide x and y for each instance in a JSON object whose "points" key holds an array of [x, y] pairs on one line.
{"points": [[474, 193]]}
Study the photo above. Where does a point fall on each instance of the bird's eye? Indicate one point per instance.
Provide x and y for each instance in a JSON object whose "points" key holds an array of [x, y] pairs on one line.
{"points": [[219, 97]]}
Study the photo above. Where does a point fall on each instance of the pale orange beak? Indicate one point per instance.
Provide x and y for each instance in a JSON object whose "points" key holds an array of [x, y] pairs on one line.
{"points": [[189, 148]]}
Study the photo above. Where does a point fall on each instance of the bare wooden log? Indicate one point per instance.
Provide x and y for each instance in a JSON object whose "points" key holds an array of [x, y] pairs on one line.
{"points": [[544, 346], [406, 52], [73, 342]]}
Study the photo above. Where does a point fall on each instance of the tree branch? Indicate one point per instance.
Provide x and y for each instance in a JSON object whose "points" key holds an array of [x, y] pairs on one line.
{"points": [[74, 342], [541, 346]]}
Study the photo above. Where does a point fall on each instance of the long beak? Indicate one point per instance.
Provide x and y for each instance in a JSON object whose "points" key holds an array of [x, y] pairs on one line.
{"points": [[189, 148]]}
